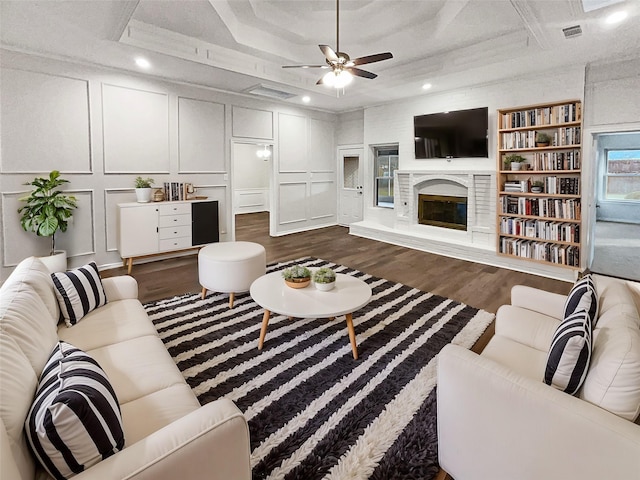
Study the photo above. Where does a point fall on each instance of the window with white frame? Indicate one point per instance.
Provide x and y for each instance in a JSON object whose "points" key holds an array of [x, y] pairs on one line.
{"points": [[386, 163], [622, 175]]}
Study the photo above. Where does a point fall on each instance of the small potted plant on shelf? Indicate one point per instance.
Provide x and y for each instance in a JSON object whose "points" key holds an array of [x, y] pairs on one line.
{"points": [[297, 276], [48, 210], [324, 279], [537, 186], [542, 139], [143, 189], [515, 161]]}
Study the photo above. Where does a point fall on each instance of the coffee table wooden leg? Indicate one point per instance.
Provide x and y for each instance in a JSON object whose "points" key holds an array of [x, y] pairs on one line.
{"points": [[263, 329], [352, 336], [231, 297]]}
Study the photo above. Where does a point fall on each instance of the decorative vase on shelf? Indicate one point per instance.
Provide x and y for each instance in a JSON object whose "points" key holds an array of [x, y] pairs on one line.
{"points": [[536, 189], [516, 166]]}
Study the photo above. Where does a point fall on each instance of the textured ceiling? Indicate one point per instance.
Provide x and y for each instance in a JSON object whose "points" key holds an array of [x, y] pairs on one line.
{"points": [[235, 44]]}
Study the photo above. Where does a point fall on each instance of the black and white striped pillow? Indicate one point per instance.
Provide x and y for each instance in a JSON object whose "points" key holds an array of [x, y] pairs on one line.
{"points": [[78, 291], [583, 296], [75, 420], [570, 353]]}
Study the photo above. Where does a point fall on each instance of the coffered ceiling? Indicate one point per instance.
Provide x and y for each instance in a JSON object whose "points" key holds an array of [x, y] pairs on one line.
{"points": [[234, 45]]}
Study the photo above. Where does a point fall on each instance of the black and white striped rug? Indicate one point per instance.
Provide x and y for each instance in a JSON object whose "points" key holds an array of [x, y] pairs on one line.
{"points": [[313, 411]]}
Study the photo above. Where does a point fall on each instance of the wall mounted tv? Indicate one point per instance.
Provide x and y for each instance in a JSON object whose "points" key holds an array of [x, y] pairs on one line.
{"points": [[456, 134]]}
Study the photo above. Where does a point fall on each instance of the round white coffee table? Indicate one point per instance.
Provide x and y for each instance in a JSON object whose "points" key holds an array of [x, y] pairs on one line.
{"points": [[349, 294]]}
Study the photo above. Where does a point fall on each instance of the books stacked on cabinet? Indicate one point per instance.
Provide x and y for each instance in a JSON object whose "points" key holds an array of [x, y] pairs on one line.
{"points": [[546, 226], [174, 191]]}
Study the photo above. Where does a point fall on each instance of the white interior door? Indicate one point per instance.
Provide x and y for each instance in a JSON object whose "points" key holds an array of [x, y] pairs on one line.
{"points": [[351, 181]]}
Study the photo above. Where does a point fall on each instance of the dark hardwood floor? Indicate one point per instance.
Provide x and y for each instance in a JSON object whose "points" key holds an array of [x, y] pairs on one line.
{"points": [[477, 285]]}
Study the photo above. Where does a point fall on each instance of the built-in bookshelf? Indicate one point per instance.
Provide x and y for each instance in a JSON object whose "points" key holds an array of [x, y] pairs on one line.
{"points": [[539, 207]]}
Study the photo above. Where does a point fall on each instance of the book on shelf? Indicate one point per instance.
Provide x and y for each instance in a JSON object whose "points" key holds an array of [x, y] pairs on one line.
{"points": [[174, 191], [516, 186]]}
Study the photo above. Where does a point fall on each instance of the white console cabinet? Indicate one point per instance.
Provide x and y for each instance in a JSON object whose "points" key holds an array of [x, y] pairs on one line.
{"points": [[146, 229]]}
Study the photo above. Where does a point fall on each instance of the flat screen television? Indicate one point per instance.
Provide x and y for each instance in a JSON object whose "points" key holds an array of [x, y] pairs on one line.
{"points": [[456, 134]]}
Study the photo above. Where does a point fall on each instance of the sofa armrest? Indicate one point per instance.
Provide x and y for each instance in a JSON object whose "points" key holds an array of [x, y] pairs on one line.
{"points": [[120, 288], [211, 442], [541, 301], [494, 423]]}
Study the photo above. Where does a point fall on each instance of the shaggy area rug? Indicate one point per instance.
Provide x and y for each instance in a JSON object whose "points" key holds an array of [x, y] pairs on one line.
{"points": [[313, 411]]}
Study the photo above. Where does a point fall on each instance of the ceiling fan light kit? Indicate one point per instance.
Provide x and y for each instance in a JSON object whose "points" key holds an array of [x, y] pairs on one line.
{"points": [[343, 69]]}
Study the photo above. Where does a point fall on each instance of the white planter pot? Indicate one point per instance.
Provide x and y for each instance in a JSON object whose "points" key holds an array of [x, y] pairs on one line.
{"points": [[144, 194], [515, 165], [325, 287], [56, 262]]}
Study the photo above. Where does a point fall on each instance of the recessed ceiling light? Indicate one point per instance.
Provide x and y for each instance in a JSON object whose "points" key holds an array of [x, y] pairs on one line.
{"points": [[616, 17], [306, 99], [142, 62], [426, 86]]}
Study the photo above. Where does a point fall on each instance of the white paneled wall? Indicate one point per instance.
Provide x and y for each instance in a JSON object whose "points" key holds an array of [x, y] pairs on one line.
{"points": [[135, 125], [201, 135], [102, 128], [46, 96]]}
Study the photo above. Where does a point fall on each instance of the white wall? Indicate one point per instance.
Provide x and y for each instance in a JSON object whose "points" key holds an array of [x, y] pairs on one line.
{"points": [[350, 128], [101, 128]]}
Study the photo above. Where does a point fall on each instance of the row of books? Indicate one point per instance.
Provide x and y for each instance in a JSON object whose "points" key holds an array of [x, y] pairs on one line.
{"points": [[527, 139], [570, 112], [541, 229], [562, 185], [556, 160], [568, 209], [174, 191], [549, 252]]}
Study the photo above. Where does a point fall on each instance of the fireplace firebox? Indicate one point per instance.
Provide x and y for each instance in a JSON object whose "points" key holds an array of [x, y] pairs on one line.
{"points": [[442, 211]]}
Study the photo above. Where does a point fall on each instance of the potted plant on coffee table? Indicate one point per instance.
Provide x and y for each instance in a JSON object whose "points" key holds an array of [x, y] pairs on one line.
{"points": [[324, 279], [515, 161], [143, 189], [47, 210], [297, 276]]}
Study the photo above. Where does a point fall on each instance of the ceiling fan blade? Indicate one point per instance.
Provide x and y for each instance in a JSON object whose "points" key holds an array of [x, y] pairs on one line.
{"points": [[358, 72], [305, 66], [321, 81], [378, 57], [329, 53]]}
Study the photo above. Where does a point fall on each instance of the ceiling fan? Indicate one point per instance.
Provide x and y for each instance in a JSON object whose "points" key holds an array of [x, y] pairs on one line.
{"points": [[343, 68]]}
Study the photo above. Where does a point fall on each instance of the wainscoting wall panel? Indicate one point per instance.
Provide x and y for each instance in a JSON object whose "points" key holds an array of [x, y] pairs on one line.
{"points": [[135, 129], [292, 135], [322, 199], [321, 142], [291, 202], [35, 138], [252, 123], [201, 136]]}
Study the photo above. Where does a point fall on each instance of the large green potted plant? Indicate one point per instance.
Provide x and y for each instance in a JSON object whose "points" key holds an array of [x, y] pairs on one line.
{"points": [[47, 210]]}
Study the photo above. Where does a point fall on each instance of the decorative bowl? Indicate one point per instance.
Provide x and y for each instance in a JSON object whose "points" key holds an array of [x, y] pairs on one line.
{"points": [[298, 282], [325, 287]]}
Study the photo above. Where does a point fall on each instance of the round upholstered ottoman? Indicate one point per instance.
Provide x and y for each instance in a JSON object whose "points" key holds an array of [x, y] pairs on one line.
{"points": [[230, 267]]}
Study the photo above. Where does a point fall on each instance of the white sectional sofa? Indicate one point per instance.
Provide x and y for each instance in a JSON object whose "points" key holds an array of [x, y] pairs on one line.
{"points": [[498, 420], [168, 435]]}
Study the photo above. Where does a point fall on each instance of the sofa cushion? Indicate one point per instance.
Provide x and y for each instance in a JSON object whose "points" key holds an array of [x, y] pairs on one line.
{"points": [[75, 419], [79, 292], [570, 353], [583, 296], [113, 323], [519, 357]]}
